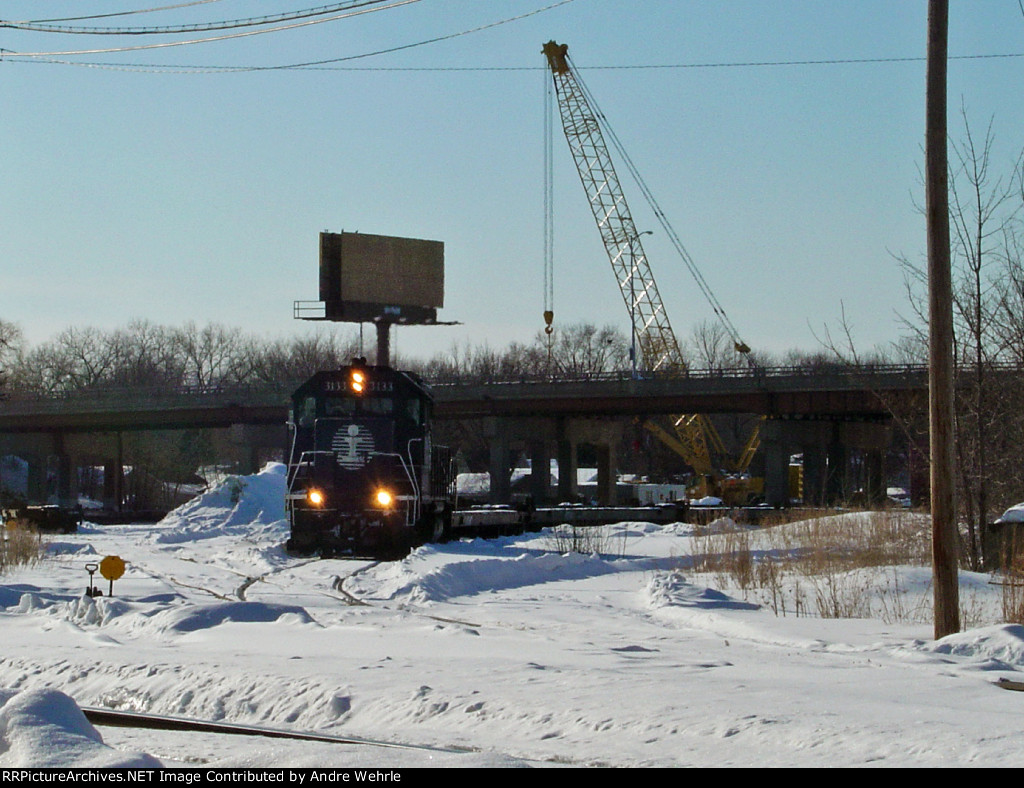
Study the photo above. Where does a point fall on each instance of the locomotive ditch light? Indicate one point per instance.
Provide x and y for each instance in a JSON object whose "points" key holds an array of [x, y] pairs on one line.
{"points": [[315, 497], [383, 499]]}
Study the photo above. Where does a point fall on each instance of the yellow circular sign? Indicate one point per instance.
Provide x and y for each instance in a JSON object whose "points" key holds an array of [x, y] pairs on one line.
{"points": [[112, 567]]}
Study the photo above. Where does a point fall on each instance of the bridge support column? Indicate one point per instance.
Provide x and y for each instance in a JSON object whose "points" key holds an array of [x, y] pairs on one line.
{"points": [[112, 485], [827, 448], [568, 483], [36, 482], [874, 465], [870, 440], [837, 484], [66, 490], [776, 464], [604, 436], [500, 461], [540, 472], [814, 474], [113, 478], [607, 477]]}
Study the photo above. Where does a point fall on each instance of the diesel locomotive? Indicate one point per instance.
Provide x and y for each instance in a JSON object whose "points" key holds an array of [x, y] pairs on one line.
{"points": [[364, 476]]}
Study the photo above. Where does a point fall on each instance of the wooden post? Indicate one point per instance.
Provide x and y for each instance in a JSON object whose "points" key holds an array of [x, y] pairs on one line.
{"points": [[940, 320]]}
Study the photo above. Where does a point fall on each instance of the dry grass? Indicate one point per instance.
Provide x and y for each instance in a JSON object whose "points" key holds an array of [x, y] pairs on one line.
{"points": [[588, 540], [832, 567], [21, 546], [1012, 584]]}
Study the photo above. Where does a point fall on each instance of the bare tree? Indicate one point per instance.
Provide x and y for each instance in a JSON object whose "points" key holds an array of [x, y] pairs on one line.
{"points": [[583, 349], [980, 212], [291, 360], [712, 348], [213, 355], [145, 356], [11, 340], [988, 291]]}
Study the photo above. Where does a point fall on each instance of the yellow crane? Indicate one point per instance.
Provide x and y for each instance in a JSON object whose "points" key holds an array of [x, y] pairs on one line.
{"points": [[653, 340]]}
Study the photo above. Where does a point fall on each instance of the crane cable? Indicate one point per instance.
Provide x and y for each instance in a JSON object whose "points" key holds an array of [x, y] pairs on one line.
{"points": [[691, 266], [549, 211]]}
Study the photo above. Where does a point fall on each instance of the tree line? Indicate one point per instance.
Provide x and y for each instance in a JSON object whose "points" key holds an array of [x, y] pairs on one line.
{"points": [[144, 354]]}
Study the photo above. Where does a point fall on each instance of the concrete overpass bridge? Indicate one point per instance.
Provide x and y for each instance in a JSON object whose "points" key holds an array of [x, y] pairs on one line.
{"points": [[825, 412]]}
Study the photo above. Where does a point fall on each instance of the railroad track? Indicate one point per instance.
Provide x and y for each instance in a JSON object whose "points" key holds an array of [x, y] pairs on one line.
{"points": [[112, 718]]}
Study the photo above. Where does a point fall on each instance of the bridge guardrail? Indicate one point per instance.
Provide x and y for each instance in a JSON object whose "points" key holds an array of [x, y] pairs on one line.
{"points": [[189, 395], [868, 371]]}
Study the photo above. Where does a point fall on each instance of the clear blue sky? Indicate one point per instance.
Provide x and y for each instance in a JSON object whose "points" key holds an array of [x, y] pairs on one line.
{"points": [[143, 193]]}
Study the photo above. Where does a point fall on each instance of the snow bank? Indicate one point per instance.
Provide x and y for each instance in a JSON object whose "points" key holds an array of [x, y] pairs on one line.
{"points": [[993, 648], [672, 590], [1015, 514], [413, 581], [45, 728], [194, 618], [239, 504]]}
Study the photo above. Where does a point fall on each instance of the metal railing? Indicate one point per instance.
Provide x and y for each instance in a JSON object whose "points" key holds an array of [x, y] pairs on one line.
{"points": [[109, 398]]}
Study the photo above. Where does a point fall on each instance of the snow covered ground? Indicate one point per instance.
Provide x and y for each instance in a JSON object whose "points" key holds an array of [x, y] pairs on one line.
{"points": [[480, 653]]}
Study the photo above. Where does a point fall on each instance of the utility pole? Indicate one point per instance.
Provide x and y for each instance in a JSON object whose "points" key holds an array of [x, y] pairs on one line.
{"points": [[940, 329]]}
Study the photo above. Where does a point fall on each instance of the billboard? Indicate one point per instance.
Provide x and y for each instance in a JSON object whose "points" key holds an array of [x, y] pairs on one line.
{"points": [[368, 277]]}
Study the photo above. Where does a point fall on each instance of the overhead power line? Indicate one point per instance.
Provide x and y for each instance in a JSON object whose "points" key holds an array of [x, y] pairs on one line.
{"points": [[330, 64], [167, 44], [51, 56], [227, 24], [124, 13]]}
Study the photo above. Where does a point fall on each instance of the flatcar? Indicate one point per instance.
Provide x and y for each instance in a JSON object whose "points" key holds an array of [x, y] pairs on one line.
{"points": [[364, 476]]}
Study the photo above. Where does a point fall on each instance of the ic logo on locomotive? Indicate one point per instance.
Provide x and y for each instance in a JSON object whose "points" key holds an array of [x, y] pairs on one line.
{"points": [[352, 446]]}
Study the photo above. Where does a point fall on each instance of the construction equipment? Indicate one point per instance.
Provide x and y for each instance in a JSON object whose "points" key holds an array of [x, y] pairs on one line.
{"points": [[653, 339]]}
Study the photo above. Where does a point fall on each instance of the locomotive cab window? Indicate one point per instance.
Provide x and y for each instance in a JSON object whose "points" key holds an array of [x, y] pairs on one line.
{"points": [[307, 412], [339, 406], [379, 405]]}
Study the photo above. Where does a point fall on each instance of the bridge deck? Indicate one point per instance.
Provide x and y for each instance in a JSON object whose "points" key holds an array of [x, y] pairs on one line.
{"points": [[776, 392]]}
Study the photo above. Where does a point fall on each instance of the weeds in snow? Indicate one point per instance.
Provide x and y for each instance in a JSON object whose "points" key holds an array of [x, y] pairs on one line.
{"points": [[20, 546], [588, 540], [832, 567]]}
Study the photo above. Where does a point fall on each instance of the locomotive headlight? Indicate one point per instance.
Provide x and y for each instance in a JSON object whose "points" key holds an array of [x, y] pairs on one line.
{"points": [[383, 499], [315, 497], [357, 381]]}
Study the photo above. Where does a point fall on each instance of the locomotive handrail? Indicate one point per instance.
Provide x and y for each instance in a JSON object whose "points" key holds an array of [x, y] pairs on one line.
{"points": [[413, 478], [302, 460]]}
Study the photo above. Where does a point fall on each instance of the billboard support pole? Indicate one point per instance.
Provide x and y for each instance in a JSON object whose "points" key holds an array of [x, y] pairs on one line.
{"points": [[383, 343]]}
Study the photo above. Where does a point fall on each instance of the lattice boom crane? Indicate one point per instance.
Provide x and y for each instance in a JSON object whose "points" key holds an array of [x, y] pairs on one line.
{"points": [[696, 439], [657, 343]]}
